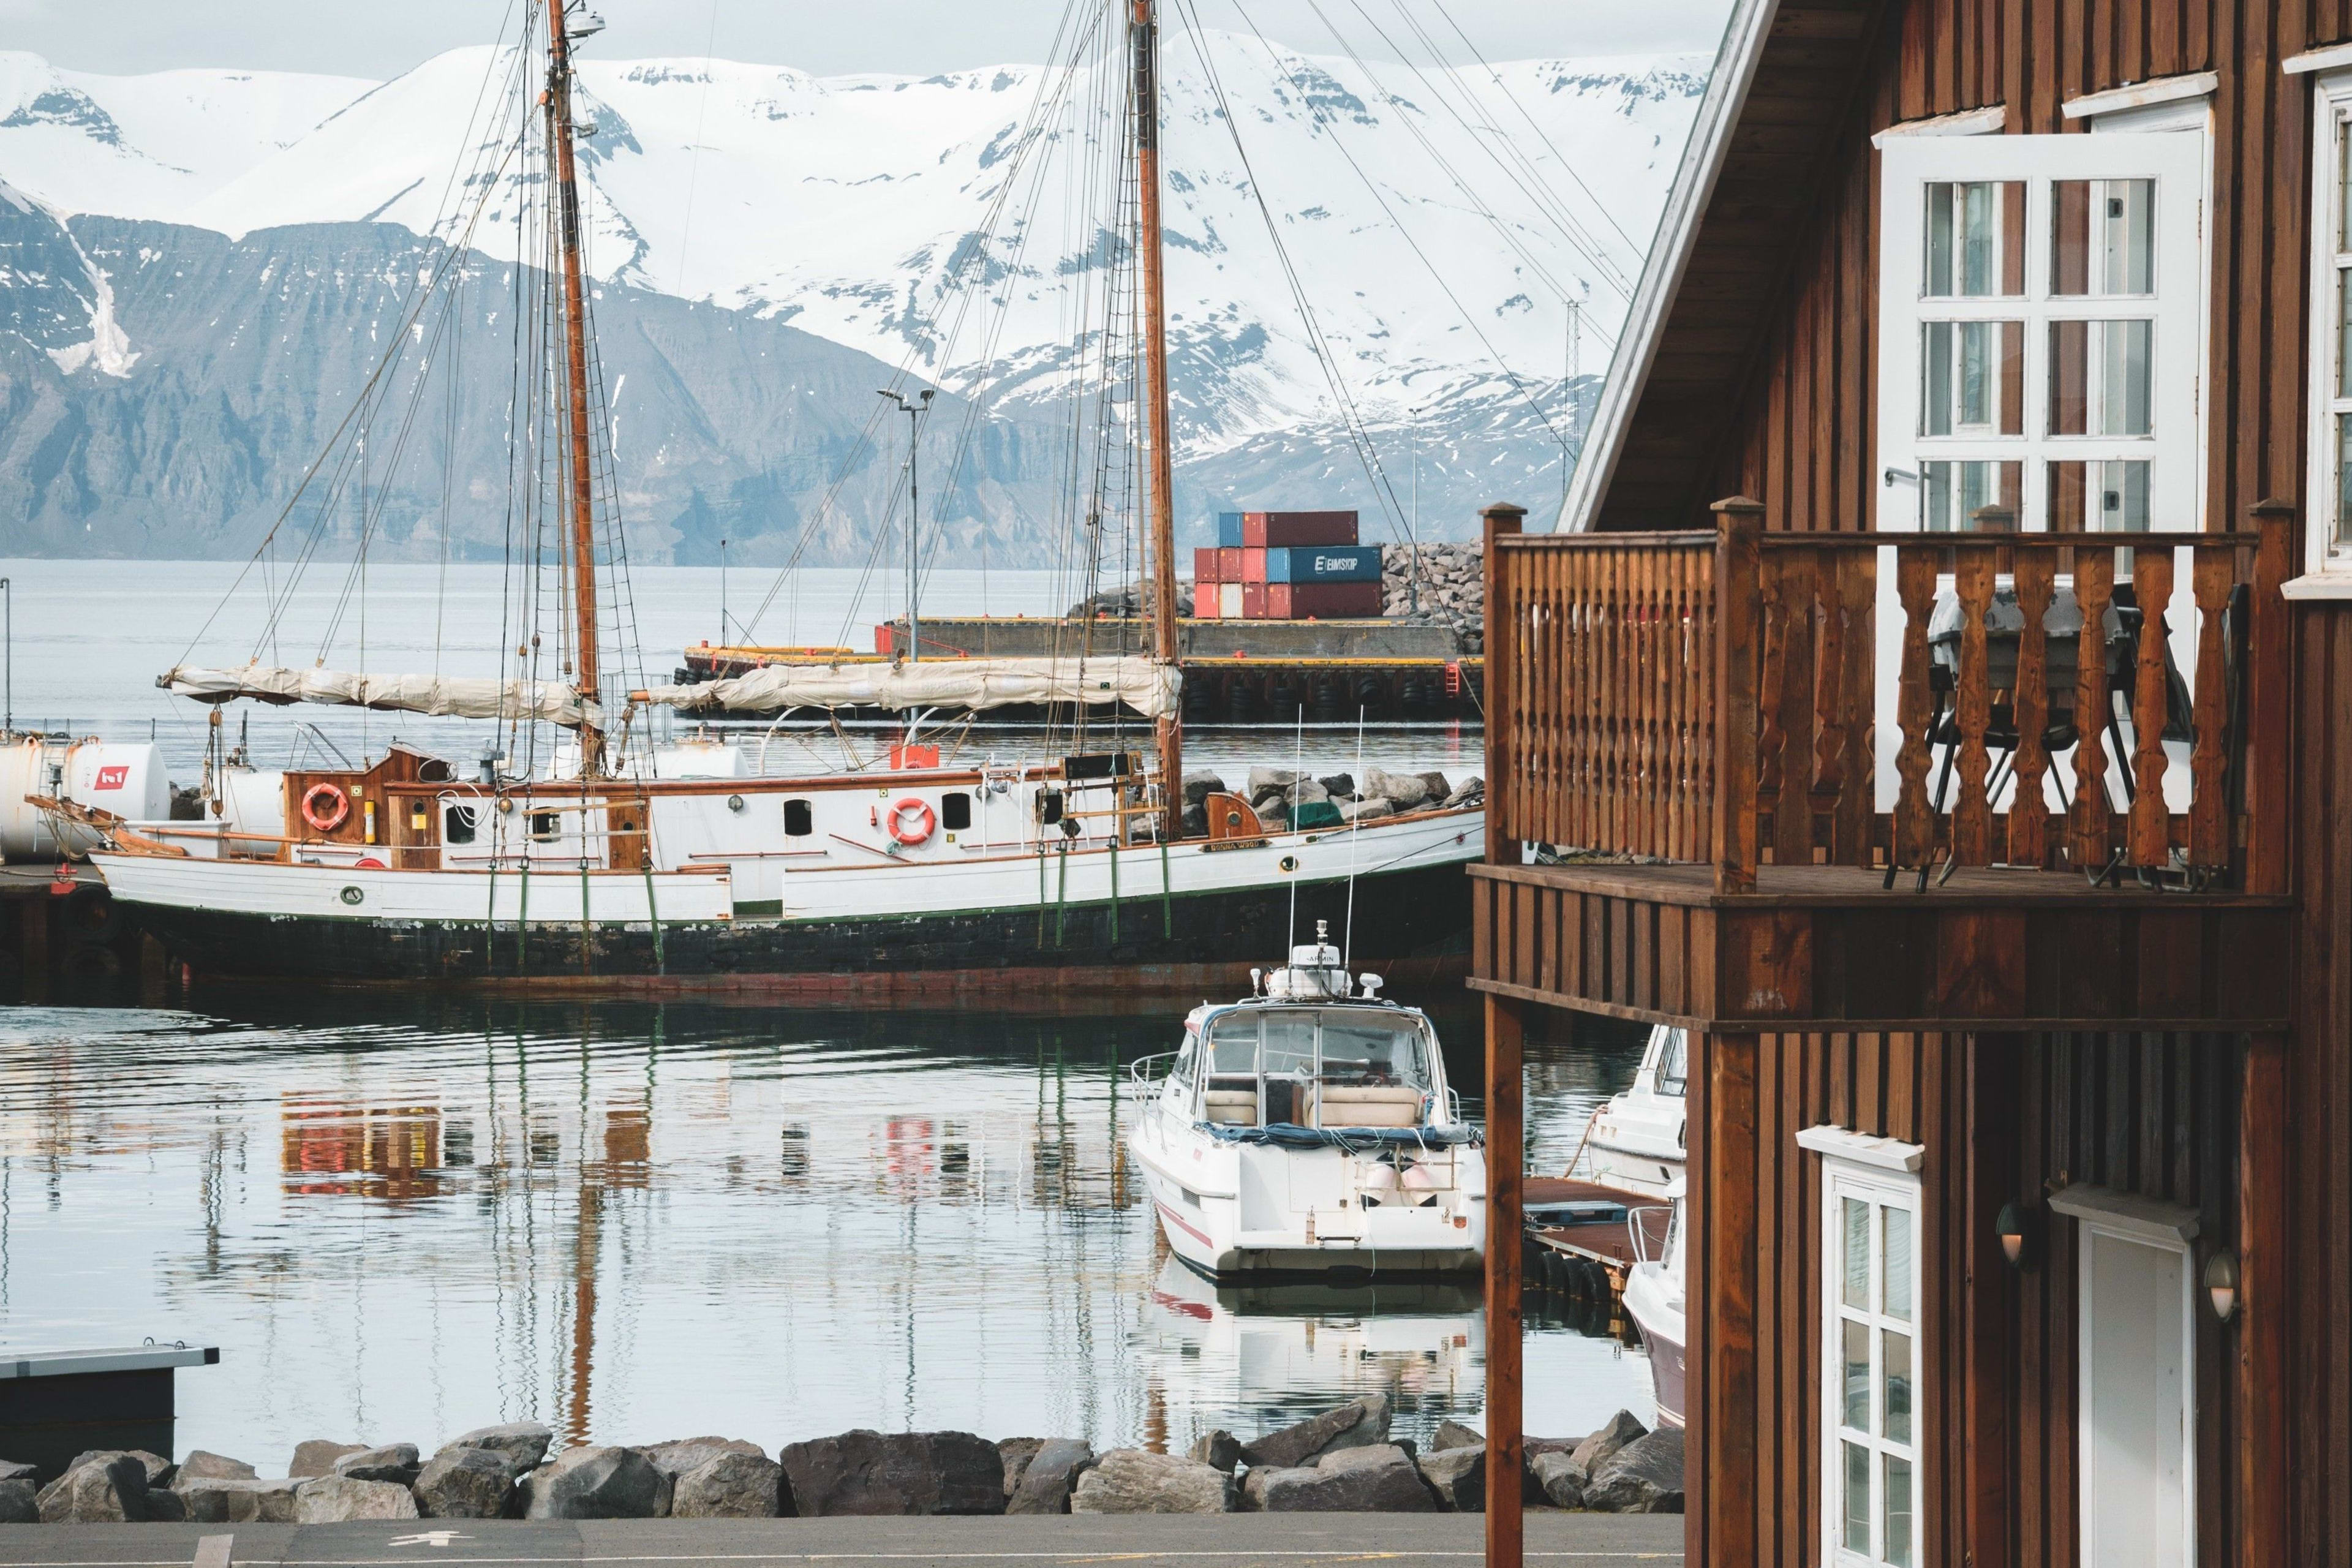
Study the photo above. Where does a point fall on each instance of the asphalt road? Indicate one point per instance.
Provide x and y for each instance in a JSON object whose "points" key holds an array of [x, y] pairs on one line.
{"points": [[1177, 1541]]}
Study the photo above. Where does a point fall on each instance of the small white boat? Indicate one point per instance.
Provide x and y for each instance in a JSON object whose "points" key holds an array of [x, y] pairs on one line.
{"points": [[1636, 1141], [1654, 1298], [1309, 1130]]}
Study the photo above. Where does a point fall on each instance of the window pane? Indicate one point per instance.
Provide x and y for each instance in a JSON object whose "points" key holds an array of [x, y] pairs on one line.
{"points": [[1951, 494], [2102, 237], [1290, 1044], [1857, 1499], [1895, 1351], [2100, 498], [2344, 479], [2101, 380], [2344, 335], [1853, 1362], [1897, 1550], [1856, 1289], [1899, 1262], [1972, 378], [2343, 185], [1974, 240], [1233, 1044]]}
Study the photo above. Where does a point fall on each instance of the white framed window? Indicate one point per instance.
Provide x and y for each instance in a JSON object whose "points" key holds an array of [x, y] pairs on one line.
{"points": [[2043, 331], [1870, 1356], [2327, 536]]}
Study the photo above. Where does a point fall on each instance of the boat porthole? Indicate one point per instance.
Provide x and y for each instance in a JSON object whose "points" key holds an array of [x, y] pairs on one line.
{"points": [[1290, 862], [352, 895], [734, 802]]}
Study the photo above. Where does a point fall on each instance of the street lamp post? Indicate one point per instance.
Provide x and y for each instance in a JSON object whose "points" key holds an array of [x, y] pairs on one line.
{"points": [[914, 412]]}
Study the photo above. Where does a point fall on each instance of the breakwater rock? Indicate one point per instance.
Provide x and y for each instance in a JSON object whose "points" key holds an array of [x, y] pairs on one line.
{"points": [[1345, 1459]]}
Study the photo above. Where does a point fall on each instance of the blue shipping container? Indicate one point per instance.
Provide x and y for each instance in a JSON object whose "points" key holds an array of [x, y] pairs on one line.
{"points": [[1324, 563], [1229, 530]]}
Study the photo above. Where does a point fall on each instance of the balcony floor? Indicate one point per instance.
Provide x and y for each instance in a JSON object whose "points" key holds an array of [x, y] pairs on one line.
{"points": [[1832, 948]]}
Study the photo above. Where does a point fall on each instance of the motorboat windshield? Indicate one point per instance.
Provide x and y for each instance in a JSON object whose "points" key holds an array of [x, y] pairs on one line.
{"points": [[1319, 1068]]}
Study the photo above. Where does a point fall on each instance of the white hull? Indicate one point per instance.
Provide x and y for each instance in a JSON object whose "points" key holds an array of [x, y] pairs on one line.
{"points": [[1636, 1141]]}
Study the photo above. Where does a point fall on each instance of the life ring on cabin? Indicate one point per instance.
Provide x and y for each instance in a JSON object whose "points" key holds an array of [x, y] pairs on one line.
{"points": [[368, 863], [911, 821], [328, 820]]}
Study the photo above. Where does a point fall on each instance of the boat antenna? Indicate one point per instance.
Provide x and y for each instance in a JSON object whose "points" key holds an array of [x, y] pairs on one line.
{"points": [[1355, 830], [1143, 37], [558, 101], [914, 412]]}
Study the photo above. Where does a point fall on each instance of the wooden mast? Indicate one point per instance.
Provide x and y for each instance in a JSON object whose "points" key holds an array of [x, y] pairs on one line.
{"points": [[1144, 37], [558, 101]]}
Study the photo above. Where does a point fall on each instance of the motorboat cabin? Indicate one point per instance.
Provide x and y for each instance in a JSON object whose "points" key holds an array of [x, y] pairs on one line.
{"points": [[1310, 1128], [1636, 1138]]}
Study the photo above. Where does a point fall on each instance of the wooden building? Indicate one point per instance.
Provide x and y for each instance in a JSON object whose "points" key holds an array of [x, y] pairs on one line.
{"points": [[1998, 875]]}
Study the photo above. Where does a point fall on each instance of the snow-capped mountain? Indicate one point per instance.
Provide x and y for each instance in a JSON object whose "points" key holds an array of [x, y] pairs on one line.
{"points": [[1437, 223]]}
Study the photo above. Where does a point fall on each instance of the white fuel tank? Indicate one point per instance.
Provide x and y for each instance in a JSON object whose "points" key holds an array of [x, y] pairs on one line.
{"points": [[123, 779]]}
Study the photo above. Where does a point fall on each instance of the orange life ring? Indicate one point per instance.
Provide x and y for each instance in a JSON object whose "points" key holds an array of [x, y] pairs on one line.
{"points": [[325, 821], [925, 821], [368, 863]]}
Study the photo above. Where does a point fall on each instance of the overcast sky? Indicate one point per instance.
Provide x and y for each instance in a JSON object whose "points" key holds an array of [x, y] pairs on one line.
{"points": [[380, 39]]}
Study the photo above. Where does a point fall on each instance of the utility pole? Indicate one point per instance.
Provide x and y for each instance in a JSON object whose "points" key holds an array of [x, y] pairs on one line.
{"points": [[914, 412]]}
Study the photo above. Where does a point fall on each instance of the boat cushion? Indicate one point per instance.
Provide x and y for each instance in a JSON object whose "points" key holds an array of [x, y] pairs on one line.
{"points": [[1233, 1107], [1343, 1105]]}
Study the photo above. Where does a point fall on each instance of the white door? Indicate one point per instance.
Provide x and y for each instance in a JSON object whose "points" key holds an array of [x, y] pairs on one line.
{"points": [[2138, 1403]]}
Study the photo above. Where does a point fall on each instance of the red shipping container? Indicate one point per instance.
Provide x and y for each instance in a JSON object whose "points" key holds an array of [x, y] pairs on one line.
{"points": [[1252, 601], [1204, 564], [1253, 565], [1277, 601], [1205, 601], [1334, 601], [1287, 527], [1229, 564], [1253, 530]]}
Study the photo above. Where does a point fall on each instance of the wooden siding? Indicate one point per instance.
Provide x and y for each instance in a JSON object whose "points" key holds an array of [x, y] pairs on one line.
{"points": [[2153, 1114]]}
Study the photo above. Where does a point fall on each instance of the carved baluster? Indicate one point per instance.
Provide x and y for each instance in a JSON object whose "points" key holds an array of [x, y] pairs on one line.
{"points": [[2029, 808], [2092, 828], [1792, 801], [1771, 733], [2209, 819], [1972, 708], [2151, 819], [1915, 822]]}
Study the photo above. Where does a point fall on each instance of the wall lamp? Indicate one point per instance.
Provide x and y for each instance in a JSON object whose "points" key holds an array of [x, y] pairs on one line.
{"points": [[2222, 1283], [2019, 1230]]}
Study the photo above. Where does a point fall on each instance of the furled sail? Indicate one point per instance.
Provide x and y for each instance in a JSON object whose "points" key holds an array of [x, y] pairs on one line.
{"points": [[463, 696], [1149, 688]]}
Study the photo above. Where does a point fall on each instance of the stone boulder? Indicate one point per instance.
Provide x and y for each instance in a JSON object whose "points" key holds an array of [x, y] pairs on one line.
{"points": [[199, 1466], [1646, 1476], [680, 1455], [1403, 791], [1199, 787], [1359, 1424], [465, 1483], [1270, 781], [1458, 1477], [1454, 1435], [20, 1501], [104, 1487], [318, 1457], [593, 1483], [731, 1485], [866, 1472], [394, 1462], [1368, 809], [335, 1500], [1434, 782], [1561, 1477], [1219, 1449], [1048, 1479], [1468, 790], [240, 1502], [524, 1442], [1016, 1452], [1621, 1429], [10, 1470], [1131, 1480], [1338, 786], [1381, 1479]]}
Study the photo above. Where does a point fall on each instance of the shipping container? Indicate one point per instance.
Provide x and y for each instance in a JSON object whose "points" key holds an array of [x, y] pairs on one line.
{"points": [[1253, 530], [1252, 601], [1294, 528], [1333, 601], [1324, 563], [1229, 564], [1228, 601], [1229, 530], [1204, 565], [1205, 596], [1253, 565]]}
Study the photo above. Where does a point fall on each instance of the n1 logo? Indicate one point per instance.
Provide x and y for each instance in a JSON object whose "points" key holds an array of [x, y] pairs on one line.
{"points": [[114, 777]]}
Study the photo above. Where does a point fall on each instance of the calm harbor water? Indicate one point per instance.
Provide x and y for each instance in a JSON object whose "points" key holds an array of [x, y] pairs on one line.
{"points": [[399, 1218]]}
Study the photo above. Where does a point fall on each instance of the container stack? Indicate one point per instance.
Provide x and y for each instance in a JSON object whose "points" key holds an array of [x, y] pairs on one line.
{"points": [[1286, 567]]}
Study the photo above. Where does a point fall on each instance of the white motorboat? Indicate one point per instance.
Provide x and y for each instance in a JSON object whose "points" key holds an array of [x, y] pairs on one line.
{"points": [[1309, 1129], [1636, 1138], [1654, 1298]]}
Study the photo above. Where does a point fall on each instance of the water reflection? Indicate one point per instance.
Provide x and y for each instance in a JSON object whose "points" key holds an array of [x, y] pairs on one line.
{"points": [[401, 1217]]}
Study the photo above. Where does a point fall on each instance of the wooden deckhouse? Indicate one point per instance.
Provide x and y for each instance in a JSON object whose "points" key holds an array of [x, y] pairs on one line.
{"points": [[2002, 872]]}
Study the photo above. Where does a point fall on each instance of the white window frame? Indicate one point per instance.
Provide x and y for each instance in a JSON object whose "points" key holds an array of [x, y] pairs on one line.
{"points": [[1885, 1175], [2328, 539], [2176, 159]]}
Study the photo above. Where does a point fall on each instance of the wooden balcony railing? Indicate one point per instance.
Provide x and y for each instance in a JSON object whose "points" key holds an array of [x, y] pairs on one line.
{"points": [[1729, 697]]}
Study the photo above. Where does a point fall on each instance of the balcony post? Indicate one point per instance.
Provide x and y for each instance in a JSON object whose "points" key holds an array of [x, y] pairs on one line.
{"points": [[1739, 523], [2269, 657], [1502, 678], [1505, 1343]]}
